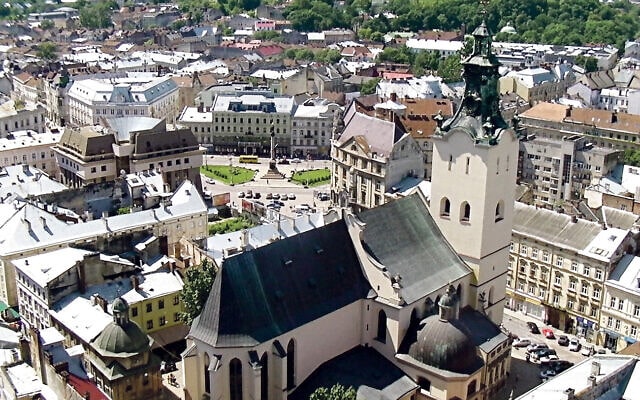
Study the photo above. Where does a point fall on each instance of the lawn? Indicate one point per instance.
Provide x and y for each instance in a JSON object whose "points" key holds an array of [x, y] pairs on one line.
{"points": [[223, 174], [314, 177], [230, 225]]}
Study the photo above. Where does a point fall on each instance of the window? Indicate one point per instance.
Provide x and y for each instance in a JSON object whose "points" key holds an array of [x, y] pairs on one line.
{"points": [[149, 307], [465, 212], [450, 162], [176, 300], [598, 274], [445, 207], [534, 253], [523, 250], [134, 311], [499, 211], [558, 279], [176, 317], [382, 327], [621, 304], [617, 326], [264, 377], [291, 364], [570, 303], [585, 270], [609, 322], [161, 304], [556, 298], [541, 292], [584, 289], [594, 311], [581, 308], [150, 324], [596, 292], [235, 379], [633, 330], [511, 246], [103, 168], [531, 290], [612, 302], [559, 261], [572, 285], [636, 310], [545, 256], [574, 266]]}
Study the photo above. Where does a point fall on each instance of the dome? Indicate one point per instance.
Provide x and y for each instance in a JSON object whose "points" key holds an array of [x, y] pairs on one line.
{"points": [[508, 29], [122, 340], [120, 305], [445, 345], [450, 298]]}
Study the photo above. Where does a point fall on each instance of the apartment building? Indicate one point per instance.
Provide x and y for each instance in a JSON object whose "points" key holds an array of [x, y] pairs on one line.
{"points": [[312, 129], [242, 124], [558, 266], [17, 115], [372, 155], [135, 144], [144, 95], [535, 85], [620, 315], [559, 170], [30, 148], [603, 128]]}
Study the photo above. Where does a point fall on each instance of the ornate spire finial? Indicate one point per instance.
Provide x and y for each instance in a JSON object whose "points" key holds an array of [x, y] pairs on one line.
{"points": [[483, 7]]}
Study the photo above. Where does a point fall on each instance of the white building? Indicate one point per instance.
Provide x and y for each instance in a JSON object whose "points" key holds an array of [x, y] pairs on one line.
{"points": [[444, 48], [24, 181], [137, 95], [30, 148], [20, 116], [312, 129], [424, 87]]}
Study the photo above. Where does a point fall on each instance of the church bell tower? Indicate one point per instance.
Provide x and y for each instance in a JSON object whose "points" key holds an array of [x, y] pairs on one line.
{"points": [[475, 156]]}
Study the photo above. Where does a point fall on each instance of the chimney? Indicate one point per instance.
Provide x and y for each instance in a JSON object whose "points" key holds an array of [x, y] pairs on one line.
{"points": [[574, 218], [614, 117], [568, 111], [571, 394], [592, 381], [595, 368], [201, 107], [82, 283], [27, 224], [44, 222], [135, 282], [244, 239]]}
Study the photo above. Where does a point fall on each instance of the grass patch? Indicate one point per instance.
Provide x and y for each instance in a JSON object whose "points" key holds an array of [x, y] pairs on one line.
{"points": [[228, 175], [230, 225], [314, 177]]}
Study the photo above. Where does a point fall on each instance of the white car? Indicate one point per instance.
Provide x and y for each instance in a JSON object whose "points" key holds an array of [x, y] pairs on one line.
{"points": [[574, 345], [587, 351], [210, 181], [536, 346], [523, 342], [547, 359]]}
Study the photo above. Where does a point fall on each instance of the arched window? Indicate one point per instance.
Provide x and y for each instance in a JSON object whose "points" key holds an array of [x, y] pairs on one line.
{"points": [[436, 306], [450, 161], [500, 211], [459, 292], [445, 207], [465, 212], [291, 364], [429, 307], [264, 377], [235, 379], [207, 375], [490, 297], [471, 388], [382, 327]]}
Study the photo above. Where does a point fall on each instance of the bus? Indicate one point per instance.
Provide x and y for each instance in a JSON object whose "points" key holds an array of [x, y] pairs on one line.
{"points": [[249, 159]]}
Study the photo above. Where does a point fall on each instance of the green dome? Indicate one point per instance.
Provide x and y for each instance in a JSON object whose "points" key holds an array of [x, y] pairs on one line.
{"points": [[120, 305], [122, 340], [445, 345]]}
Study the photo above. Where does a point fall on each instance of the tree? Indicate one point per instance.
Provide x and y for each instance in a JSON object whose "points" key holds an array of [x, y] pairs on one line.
{"points": [[631, 157], [198, 283], [450, 69], [590, 64], [47, 51], [369, 87], [337, 392], [47, 24]]}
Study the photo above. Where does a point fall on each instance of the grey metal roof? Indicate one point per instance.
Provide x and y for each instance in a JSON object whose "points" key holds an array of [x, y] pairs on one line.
{"points": [[123, 127], [380, 134], [552, 227], [403, 237], [618, 218], [264, 293], [362, 368]]}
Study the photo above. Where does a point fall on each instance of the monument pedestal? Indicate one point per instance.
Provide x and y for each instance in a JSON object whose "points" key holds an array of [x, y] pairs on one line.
{"points": [[273, 172]]}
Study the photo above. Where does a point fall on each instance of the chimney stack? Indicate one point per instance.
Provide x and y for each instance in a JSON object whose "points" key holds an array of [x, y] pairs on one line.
{"points": [[571, 394], [568, 111], [595, 368], [135, 282], [614, 117], [27, 224], [574, 218], [592, 381], [44, 222]]}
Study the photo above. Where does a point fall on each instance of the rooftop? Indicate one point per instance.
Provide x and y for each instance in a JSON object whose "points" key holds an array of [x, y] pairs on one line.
{"points": [[43, 268]]}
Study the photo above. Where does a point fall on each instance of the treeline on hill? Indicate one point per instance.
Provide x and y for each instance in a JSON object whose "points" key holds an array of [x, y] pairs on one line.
{"points": [[562, 22]]}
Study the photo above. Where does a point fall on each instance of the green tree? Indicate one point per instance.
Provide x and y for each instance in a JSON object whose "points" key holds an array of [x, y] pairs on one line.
{"points": [[369, 87], [450, 69], [47, 51], [337, 392], [590, 64], [197, 285], [631, 157], [47, 24]]}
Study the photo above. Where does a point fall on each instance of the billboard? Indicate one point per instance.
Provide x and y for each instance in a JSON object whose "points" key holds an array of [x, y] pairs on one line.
{"points": [[221, 199]]}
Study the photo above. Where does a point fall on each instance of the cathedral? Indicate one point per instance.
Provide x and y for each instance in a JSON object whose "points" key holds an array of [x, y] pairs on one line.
{"points": [[401, 301]]}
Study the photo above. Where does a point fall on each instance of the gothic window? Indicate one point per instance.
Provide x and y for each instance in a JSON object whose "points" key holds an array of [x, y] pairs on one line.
{"points": [[450, 162], [382, 327], [445, 207], [235, 379], [207, 377], [264, 377], [291, 364], [465, 212], [500, 211]]}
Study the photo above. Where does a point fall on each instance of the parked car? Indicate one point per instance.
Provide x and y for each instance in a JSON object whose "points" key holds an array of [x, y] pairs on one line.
{"points": [[295, 160], [523, 342], [269, 196], [546, 360], [587, 351], [548, 333], [560, 365], [536, 346], [283, 161], [323, 196], [256, 195], [210, 181], [563, 340], [574, 345], [284, 197], [291, 196], [241, 195], [533, 328], [548, 373], [275, 196], [538, 354]]}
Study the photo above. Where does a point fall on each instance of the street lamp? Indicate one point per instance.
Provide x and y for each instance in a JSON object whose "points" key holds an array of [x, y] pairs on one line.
{"points": [[231, 169]]}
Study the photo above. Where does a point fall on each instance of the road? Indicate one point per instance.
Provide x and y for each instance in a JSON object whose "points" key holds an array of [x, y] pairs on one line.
{"points": [[264, 186]]}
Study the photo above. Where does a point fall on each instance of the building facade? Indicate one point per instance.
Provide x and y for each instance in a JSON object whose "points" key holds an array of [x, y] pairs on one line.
{"points": [[145, 95], [19, 116], [30, 148], [312, 129], [558, 266]]}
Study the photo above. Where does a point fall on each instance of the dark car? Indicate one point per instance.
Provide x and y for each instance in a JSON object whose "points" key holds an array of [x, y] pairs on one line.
{"points": [[533, 328], [560, 365], [563, 340], [536, 355]]}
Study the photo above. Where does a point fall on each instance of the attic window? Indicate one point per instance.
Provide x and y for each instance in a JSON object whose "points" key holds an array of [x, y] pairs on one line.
{"points": [[612, 238], [287, 262]]}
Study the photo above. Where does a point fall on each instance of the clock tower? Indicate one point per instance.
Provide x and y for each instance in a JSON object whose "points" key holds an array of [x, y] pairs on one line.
{"points": [[475, 156]]}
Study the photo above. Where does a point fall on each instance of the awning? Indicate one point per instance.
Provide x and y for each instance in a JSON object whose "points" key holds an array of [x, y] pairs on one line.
{"points": [[629, 340], [612, 333], [8, 312]]}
